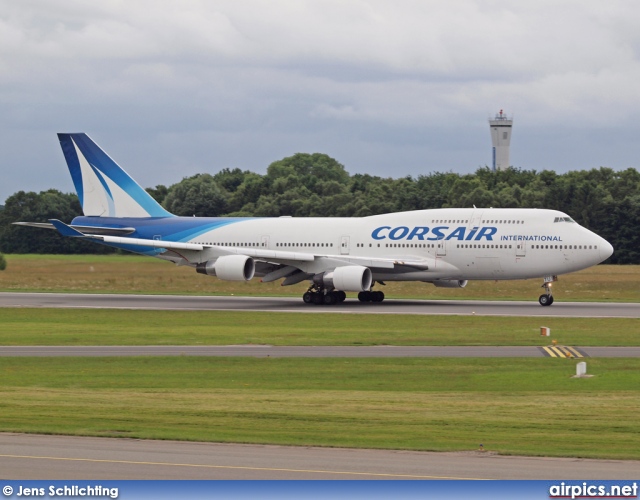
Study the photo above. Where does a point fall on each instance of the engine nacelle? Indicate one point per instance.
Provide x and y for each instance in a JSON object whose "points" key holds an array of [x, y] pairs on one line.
{"points": [[450, 283], [346, 278], [229, 267]]}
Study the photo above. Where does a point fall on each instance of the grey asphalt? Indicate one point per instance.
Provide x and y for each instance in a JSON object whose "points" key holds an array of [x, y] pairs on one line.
{"points": [[264, 351], [24, 456], [288, 304]]}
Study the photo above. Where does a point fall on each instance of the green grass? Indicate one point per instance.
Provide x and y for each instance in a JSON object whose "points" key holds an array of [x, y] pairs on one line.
{"points": [[135, 274], [529, 407], [124, 327], [523, 406]]}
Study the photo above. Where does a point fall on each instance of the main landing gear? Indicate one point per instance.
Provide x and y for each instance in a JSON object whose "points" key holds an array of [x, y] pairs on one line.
{"points": [[546, 299], [320, 296], [371, 296]]}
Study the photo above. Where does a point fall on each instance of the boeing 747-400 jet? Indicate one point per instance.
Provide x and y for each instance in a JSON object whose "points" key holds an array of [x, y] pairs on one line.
{"points": [[445, 247]]}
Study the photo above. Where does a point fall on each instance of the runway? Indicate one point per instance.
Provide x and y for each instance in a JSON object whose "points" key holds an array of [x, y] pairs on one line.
{"points": [[288, 304], [24, 456]]}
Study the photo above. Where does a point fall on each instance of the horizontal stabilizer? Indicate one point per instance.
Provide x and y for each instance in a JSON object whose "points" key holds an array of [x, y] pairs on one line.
{"points": [[65, 230], [111, 231]]}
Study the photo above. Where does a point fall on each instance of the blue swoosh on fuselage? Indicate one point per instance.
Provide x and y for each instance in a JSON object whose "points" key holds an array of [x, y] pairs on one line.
{"points": [[178, 229]]}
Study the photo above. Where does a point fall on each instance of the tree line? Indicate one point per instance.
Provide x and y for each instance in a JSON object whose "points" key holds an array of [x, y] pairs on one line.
{"points": [[316, 185]]}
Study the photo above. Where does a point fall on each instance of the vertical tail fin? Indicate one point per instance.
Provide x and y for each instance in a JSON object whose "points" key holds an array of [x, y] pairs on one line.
{"points": [[103, 187]]}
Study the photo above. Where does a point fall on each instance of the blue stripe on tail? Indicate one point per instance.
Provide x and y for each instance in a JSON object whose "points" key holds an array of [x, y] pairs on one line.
{"points": [[103, 166]]}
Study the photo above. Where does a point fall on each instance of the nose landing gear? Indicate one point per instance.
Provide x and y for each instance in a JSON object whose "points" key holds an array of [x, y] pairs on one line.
{"points": [[546, 299]]}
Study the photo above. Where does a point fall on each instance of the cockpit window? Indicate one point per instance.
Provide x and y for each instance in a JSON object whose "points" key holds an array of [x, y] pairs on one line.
{"points": [[564, 219]]}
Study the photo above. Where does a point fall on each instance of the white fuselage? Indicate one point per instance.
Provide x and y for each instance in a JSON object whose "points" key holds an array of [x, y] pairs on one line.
{"points": [[460, 244]]}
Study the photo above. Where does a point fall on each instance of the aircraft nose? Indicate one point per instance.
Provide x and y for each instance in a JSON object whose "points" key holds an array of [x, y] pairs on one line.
{"points": [[606, 249]]}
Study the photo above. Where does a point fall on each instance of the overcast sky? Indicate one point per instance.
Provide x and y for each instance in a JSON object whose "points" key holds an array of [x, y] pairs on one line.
{"points": [[174, 88]]}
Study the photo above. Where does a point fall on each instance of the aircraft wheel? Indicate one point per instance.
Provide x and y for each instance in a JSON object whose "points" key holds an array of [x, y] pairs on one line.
{"points": [[317, 298], [329, 299], [545, 300], [377, 296], [307, 298], [341, 296]]}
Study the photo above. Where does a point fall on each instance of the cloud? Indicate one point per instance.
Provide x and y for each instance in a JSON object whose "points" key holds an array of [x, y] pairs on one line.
{"points": [[367, 74]]}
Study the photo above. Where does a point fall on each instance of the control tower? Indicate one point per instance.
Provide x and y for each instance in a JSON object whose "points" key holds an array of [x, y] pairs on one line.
{"points": [[501, 138]]}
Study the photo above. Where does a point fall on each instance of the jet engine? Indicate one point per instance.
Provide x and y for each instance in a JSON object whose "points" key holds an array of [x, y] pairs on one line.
{"points": [[229, 267], [346, 278], [450, 283]]}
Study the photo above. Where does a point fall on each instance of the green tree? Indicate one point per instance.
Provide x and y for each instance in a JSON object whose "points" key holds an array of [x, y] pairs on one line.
{"points": [[231, 179], [247, 193], [198, 196], [158, 193], [40, 207], [307, 170], [316, 185], [3, 263]]}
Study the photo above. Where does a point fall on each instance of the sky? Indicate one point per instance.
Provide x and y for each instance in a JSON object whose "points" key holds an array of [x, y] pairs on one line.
{"points": [[174, 88]]}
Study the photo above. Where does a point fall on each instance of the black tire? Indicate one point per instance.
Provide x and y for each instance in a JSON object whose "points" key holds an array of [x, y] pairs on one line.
{"points": [[377, 296], [341, 296], [307, 298], [329, 299], [550, 299], [317, 298], [545, 300]]}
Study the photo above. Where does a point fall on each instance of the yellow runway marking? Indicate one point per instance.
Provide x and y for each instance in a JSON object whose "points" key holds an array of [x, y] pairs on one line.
{"points": [[204, 466], [562, 351], [550, 351], [575, 353]]}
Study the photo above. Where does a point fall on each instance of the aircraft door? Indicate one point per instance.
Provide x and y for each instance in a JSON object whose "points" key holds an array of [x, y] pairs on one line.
{"points": [[476, 219], [264, 242], [344, 245], [521, 249], [441, 248]]}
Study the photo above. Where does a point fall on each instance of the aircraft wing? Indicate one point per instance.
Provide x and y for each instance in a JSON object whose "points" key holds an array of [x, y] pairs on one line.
{"points": [[294, 259], [267, 255]]}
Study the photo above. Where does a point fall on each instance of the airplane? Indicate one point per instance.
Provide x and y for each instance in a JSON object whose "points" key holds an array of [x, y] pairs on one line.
{"points": [[446, 247]]}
